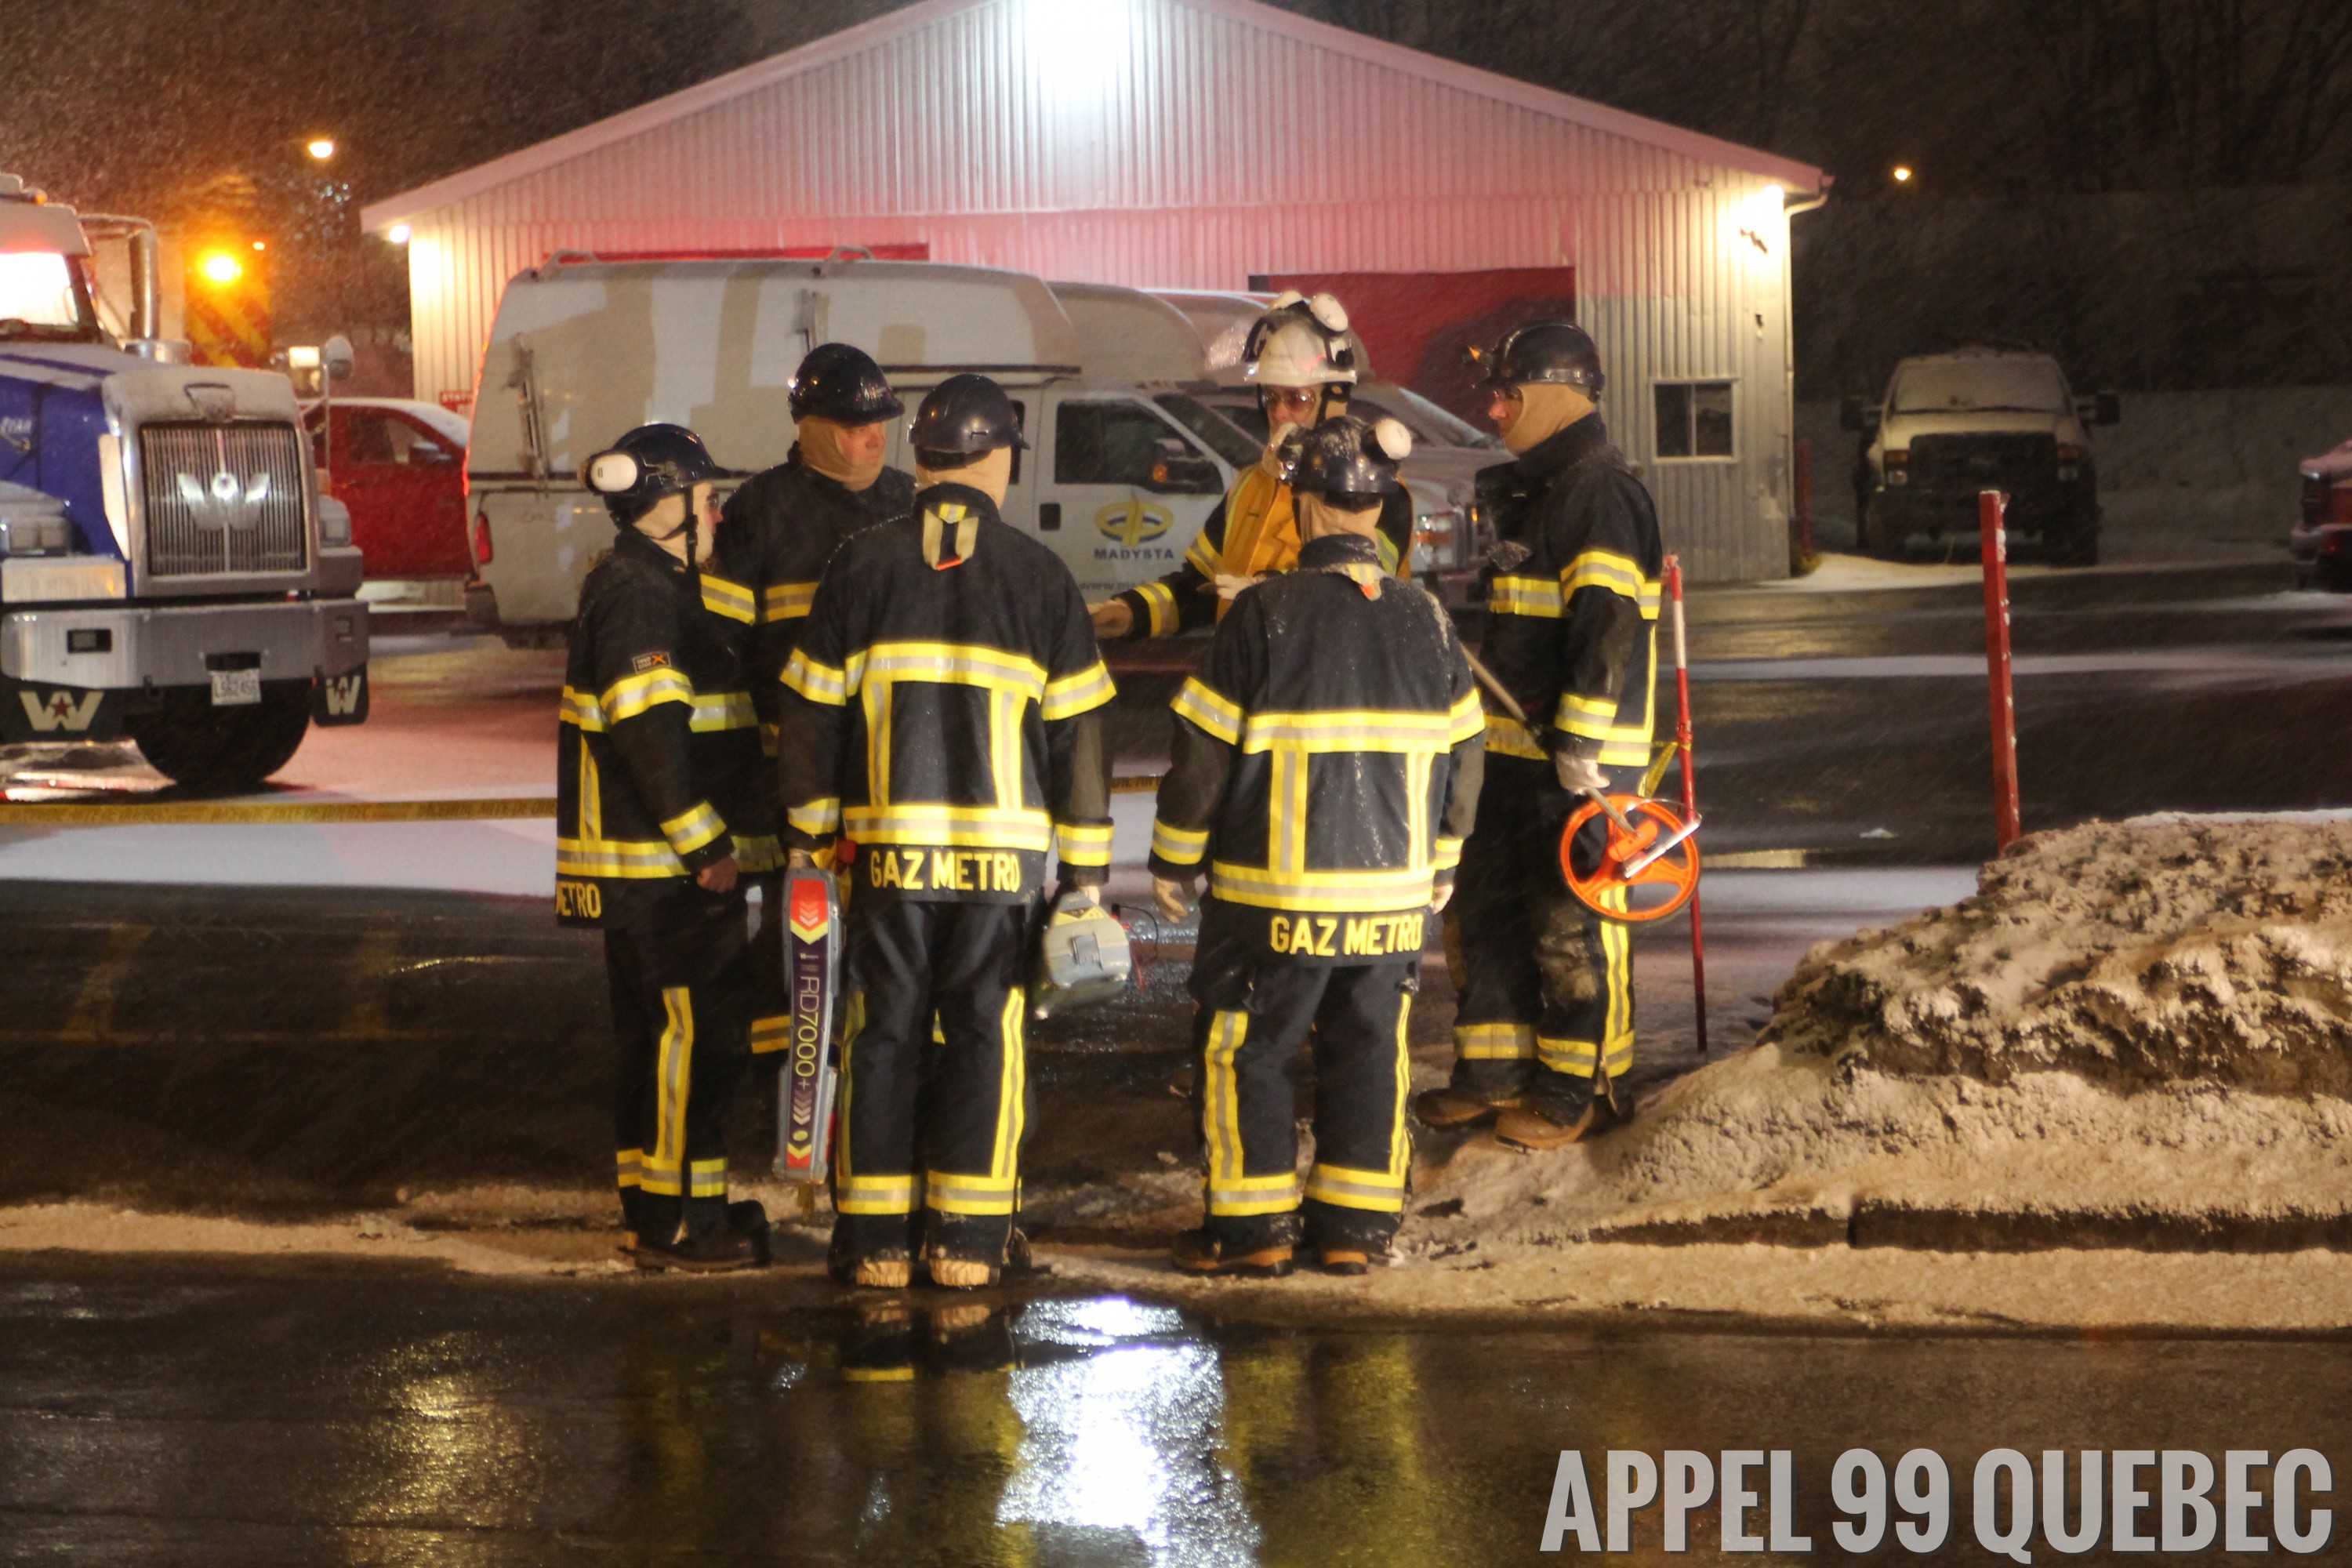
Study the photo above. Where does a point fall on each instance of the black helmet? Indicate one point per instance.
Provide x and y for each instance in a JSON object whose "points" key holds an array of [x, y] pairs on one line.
{"points": [[1345, 459], [649, 463], [844, 384], [964, 416], [1559, 352]]}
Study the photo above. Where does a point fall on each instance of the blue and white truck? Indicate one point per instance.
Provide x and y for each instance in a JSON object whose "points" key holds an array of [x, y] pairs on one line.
{"points": [[166, 572]]}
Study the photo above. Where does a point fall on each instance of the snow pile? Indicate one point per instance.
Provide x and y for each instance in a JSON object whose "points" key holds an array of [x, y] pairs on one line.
{"points": [[2135, 1034]]}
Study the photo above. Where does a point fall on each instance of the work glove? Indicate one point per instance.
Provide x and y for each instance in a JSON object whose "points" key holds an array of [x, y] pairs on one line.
{"points": [[1580, 772], [1439, 896], [1112, 617], [1229, 584], [800, 861], [1174, 895], [719, 877]]}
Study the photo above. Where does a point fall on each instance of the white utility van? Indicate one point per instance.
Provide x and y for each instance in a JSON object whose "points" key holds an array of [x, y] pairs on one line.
{"points": [[1117, 481]]}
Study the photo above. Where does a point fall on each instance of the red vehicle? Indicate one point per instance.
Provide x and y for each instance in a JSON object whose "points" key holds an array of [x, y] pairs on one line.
{"points": [[2321, 541], [400, 466]]}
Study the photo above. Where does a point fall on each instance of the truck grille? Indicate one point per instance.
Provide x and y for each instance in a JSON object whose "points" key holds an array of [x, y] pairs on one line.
{"points": [[223, 499], [2003, 462]]}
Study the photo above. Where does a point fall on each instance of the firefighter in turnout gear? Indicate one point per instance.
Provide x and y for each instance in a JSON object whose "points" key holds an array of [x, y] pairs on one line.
{"points": [[1303, 362], [1325, 768], [642, 852], [1544, 1021], [775, 534], [942, 712]]}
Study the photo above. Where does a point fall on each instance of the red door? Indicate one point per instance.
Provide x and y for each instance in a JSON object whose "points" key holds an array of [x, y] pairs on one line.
{"points": [[403, 483]]}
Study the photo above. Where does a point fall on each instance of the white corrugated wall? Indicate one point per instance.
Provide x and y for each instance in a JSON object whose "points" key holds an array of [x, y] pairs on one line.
{"points": [[1160, 143]]}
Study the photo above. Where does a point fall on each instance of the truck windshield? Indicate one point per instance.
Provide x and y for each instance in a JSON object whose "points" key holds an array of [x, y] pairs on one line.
{"points": [[1236, 446], [42, 296], [1993, 386]]}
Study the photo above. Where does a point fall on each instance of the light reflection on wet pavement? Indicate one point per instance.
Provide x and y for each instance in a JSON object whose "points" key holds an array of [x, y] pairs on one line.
{"points": [[190, 1411]]}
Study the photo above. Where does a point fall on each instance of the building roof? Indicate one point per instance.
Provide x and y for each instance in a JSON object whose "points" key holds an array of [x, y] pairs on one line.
{"points": [[1802, 178]]}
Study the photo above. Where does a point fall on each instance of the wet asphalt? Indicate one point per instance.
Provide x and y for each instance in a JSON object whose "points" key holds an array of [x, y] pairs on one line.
{"points": [[170, 1411], [272, 1055]]}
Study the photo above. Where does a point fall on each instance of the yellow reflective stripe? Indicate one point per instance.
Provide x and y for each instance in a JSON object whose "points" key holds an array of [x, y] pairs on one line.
{"points": [[1536, 596], [815, 817], [873, 1195], [617, 858], [975, 826], [788, 601], [814, 680], [629, 1167], [1350, 730], [1011, 1092], [1617, 573], [692, 828], [1387, 548], [1509, 738], [581, 711], [1082, 844], [1181, 845], [1200, 703], [1493, 1042], [773, 1033], [1359, 892], [956, 1196], [732, 600], [723, 711], [1377, 1191], [633, 694], [1466, 718], [706, 1179], [1449, 853], [1203, 557], [1577, 1057], [1230, 1192], [673, 1065], [1159, 608], [1082, 692], [958, 664]]}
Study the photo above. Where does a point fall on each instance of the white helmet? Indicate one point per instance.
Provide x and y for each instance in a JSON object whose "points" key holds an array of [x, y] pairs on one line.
{"points": [[1301, 342]]}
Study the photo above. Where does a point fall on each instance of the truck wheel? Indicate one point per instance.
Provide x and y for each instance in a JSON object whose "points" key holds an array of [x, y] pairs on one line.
{"points": [[202, 747], [2077, 544]]}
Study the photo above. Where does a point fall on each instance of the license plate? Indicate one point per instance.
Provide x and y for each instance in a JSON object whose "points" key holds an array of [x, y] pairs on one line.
{"points": [[235, 687]]}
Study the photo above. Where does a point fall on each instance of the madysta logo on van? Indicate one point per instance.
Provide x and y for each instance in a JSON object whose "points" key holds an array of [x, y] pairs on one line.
{"points": [[1131, 523]]}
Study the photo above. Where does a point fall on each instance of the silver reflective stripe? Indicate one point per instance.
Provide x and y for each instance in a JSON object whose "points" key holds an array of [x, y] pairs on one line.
{"points": [[1381, 1193]]}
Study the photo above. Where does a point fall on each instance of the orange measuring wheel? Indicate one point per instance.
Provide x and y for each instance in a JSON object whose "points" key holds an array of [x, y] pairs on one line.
{"points": [[1649, 869]]}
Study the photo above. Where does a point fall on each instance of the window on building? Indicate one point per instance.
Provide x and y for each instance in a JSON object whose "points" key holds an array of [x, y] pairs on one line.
{"points": [[1695, 419], [1106, 444]]}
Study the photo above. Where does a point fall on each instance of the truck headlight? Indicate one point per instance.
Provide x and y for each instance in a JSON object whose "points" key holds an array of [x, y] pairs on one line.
{"points": [[334, 523], [1896, 463]]}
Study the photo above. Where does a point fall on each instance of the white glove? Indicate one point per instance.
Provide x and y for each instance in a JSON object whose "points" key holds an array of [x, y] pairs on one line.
{"points": [[1439, 896], [1229, 586], [1174, 895], [1112, 617], [1580, 774]]}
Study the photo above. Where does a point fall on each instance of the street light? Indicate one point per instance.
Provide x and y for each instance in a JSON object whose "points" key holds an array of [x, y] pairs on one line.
{"points": [[220, 269], [1901, 173], [321, 148]]}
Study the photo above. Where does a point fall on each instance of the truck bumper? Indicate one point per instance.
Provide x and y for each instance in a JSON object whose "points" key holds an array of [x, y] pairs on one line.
{"points": [[75, 670]]}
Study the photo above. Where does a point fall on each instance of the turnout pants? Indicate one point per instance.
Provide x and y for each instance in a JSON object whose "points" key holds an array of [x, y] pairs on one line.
{"points": [[1256, 1019], [929, 1153], [681, 1002], [1544, 986]]}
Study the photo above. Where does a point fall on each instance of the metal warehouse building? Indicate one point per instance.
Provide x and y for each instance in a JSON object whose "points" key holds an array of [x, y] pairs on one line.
{"points": [[1195, 144]]}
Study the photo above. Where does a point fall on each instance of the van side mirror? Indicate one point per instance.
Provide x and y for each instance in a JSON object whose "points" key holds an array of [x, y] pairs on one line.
{"points": [[1177, 470], [336, 351], [2108, 409]]}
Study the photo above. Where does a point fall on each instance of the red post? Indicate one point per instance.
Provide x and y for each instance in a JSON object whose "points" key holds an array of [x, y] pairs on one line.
{"points": [[1993, 508], [1690, 788]]}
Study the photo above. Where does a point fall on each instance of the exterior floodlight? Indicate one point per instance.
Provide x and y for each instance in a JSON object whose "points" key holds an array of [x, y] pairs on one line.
{"points": [[1901, 173], [302, 356], [220, 269], [320, 147], [397, 233]]}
